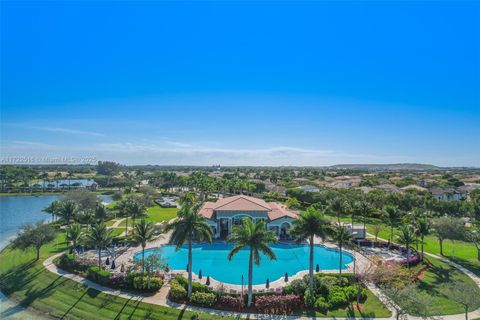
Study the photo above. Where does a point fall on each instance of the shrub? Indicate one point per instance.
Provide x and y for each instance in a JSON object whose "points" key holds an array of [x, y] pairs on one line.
{"points": [[309, 298], [98, 275], [177, 292], [230, 302], [67, 261], [297, 287], [204, 299], [274, 304], [322, 305], [144, 284], [198, 287], [118, 280], [337, 297], [182, 281]]}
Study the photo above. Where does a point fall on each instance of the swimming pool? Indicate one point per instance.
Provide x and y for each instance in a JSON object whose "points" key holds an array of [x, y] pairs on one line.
{"points": [[212, 260]]}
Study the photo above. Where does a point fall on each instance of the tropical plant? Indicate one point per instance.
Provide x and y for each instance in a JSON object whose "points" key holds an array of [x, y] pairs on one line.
{"points": [[407, 237], [100, 212], [342, 236], [100, 237], [256, 237], [187, 199], [68, 211], [392, 215], [310, 224], [134, 209], [188, 227], [423, 229], [144, 232], [74, 235], [53, 209]]}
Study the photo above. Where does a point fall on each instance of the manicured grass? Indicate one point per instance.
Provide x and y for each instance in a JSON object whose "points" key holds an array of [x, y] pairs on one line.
{"points": [[32, 285], [117, 231], [155, 214], [159, 214], [435, 281]]}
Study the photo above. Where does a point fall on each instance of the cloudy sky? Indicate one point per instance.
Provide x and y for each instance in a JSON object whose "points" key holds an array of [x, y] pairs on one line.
{"points": [[271, 83]]}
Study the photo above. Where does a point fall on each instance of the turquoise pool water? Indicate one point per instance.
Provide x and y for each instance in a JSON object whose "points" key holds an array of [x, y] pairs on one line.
{"points": [[212, 260]]}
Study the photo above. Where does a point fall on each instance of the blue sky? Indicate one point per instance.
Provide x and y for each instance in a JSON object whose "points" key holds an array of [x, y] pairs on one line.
{"points": [[242, 83]]}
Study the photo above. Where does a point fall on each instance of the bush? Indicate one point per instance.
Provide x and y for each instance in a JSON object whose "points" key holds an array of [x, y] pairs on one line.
{"points": [[204, 299], [337, 297], [118, 280], [309, 298], [144, 284], [182, 281], [273, 304], [98, 275], [322, 305], [297, 287], [198, 287], [230, 302], [177, 291]]}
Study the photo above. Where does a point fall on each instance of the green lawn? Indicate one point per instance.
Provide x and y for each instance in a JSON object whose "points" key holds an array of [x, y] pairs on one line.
{"points": [[155, 214], [117, 231], [159, 214], [33, 286], [435, 280]]}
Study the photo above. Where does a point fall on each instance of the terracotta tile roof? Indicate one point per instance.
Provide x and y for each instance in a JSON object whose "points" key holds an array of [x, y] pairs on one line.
{"points": [[246, 203]]}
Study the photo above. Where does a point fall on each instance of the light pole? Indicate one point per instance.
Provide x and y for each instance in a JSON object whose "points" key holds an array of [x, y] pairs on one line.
{"points": [[242, 285]]}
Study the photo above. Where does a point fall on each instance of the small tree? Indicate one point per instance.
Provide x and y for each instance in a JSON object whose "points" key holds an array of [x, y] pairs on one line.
{"points": [[392, 215], [447, 228], [407, 238], [376, 229], [74, 235], [292, 203], [34, 236], [474, 237], [464, 294], [154, 262]]}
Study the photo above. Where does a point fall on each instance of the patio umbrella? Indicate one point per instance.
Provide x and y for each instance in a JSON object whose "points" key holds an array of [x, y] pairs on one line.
{"points": [[286, 276], [200, 274], [267, 285], [208, 281]]}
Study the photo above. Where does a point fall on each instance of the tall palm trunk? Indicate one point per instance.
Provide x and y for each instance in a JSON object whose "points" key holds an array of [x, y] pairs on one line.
{"points": [[340, 265], [126, 226], [391, 235], [143, 261], [422, 246], [99, 257], [310, 269], [190, 267], [250, 276], [408, 255]]}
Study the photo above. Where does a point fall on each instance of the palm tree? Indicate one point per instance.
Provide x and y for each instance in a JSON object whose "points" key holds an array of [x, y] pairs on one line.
{"points": [[53, 208], [100, 237], [365, 210], [342, 237], [58, 177], [423, 228], [68, 210], [188, 198], [144, 232], [188, 227], [392, 214], [407, 237], [337, 206], [135, 209], [74, 235], [256, 237], [100, 212], [70, 175], [122, 208], [309, 224]]}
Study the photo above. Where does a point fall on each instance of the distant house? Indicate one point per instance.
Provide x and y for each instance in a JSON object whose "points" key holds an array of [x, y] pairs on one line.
{"points": [[309, 188], [414, 186], [448, 194], [271, 187]]}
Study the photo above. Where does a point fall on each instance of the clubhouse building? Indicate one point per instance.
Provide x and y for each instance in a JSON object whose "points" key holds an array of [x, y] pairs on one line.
{"points": [[225, 213]]}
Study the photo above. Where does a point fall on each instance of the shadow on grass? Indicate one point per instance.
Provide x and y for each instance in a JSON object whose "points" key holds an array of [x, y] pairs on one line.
{"points": [[74, 305], [469, 264]]}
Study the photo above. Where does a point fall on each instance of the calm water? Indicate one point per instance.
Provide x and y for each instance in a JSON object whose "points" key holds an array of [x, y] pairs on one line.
{"points": [[212, 260]]}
